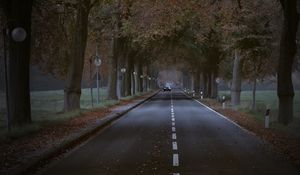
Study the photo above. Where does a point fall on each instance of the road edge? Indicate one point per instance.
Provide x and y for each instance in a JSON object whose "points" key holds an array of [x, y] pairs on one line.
{"points": [[222, 116]]}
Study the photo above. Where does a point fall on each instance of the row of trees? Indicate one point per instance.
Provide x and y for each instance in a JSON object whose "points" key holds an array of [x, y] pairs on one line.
{"points": [[143, 35]]}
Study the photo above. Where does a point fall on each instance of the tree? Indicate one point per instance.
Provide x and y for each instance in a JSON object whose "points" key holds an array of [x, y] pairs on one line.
{"points": [[18, 14], [285, 90], [73, 82]]}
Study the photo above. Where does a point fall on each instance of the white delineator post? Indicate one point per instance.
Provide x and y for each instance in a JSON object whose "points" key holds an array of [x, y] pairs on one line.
{"points": [[223, 102], [201, 95], [267, 118]]}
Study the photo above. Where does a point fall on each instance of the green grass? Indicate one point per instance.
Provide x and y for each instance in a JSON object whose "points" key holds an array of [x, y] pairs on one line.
{"points": [[47, 108], [265, 99], [269, 99]]}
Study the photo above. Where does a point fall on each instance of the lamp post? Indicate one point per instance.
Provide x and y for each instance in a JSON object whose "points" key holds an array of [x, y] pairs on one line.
{"points": [[97, 63], [141, 83], [91, 83], [123, 71], [18, 35], [218, 81], [149, 83], [134, 83]]}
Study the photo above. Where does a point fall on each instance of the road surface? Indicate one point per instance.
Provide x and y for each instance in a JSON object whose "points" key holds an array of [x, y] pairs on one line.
{"points": [[171, 134]]}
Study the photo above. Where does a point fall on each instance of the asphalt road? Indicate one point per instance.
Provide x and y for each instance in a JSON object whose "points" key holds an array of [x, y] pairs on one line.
{"points": [[171, 134]]}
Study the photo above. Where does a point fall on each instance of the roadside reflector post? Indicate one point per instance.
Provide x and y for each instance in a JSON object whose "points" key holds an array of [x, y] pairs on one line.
{"points": [[193, 93], [223, 102], [201, 95], [267, 118]]}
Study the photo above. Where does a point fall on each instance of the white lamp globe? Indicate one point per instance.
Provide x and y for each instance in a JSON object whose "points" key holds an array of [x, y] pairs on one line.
{"points": [[18, 34]]}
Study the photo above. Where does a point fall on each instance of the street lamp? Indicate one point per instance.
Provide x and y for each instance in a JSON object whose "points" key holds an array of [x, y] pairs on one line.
{"points": [[18, 34], [97, 63], [134, 82], [123, 71], [218, 81]]}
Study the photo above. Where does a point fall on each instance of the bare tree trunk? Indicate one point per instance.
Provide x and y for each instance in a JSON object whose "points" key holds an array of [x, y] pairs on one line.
{"points": [[134, 80], [197, 81], [113, 74], [214, 85], [128, 74], [140, 74], [205, 94], [192, 81], [209, 83], [74, 77], [18, 13], [285, 90], [202, 83], [236, 80], [254, 95]]}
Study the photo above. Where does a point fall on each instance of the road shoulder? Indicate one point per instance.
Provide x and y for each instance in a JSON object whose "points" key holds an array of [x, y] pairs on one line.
{"points": [[25, 155]]}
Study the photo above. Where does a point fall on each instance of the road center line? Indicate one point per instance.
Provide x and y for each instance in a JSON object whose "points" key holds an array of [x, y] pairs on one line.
{"points": [[173, 119], [174, 146], [173, 123], [175, 160], [173, 129], [174, 137]]}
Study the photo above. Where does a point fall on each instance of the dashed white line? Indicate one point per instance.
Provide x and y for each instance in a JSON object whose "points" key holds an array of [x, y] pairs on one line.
{"points": [[173, 123], [175, 160], [173, 129], [174, 146], [174, 137], [173, 119]]}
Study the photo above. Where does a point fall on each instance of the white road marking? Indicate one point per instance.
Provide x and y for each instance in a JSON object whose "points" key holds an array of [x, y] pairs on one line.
{"points": [[173, 119], [173, 129], [176, 173], [173, 123], [174, 146], [174, 137], [175, 160]]}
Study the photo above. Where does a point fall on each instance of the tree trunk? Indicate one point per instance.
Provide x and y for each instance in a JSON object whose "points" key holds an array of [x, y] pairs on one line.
{"points": [[192, 82], [134, 80], [73, 83], [113, 72], [140, 73], [204, 85], [209, 83], [254, 95], [214, 85], [197, 82], [236, 81], [285, 90], [18, 13], [128, 74]]}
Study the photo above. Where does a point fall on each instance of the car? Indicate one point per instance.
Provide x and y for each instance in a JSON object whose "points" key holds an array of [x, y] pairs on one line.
{"points": [[167, 88]]}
